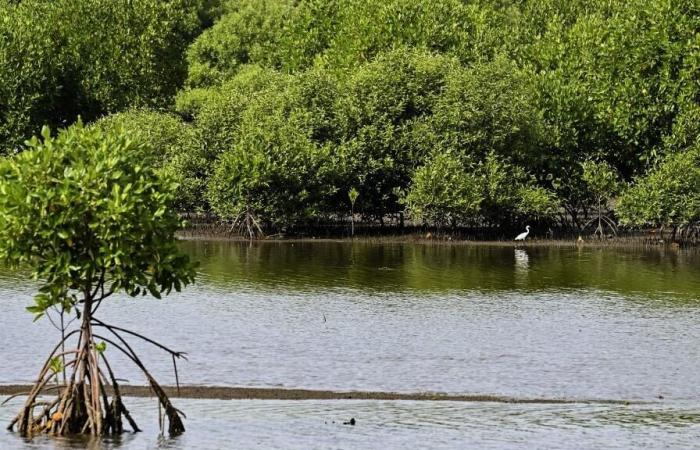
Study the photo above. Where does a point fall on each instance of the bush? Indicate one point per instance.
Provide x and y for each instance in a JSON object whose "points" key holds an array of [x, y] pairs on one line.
{"points": [[510, 193], [217, 111], [616, 76], [178, 151], [246, 34], [668, 195], [445, 192], [274, 178], [453, 190], [602, 180], [489, 107], [135, 52], [380, 105], [292, 36], [278, 171], [541, 86], [364, 29], [31, 73]]}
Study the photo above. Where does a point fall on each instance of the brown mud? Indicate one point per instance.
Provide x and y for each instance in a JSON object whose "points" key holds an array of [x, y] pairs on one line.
{"points": [[250, 393], [631, 242]]}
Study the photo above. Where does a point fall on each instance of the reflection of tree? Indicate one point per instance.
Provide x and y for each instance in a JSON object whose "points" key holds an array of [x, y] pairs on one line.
{"points": [[304, 266]]}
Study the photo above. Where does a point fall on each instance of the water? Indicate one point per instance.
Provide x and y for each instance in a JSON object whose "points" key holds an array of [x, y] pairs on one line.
{"points": [[527, 322], [216, 425]]}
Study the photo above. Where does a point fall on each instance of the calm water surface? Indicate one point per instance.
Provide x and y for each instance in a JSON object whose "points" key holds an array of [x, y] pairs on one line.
{"points": [[522, 322], [219, 425]]}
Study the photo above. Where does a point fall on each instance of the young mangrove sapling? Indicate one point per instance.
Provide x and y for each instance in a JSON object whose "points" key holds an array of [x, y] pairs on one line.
{"points": [[89, 215]]}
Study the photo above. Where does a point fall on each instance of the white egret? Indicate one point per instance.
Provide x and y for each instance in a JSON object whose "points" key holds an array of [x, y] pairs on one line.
{"points": [[522, 236]]}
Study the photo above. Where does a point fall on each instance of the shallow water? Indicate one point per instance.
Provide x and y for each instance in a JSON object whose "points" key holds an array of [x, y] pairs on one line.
{"points": [[521, 322], [217, 424]]}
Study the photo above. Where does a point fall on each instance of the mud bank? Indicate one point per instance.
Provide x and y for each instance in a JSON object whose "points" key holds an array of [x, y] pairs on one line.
{"points": [[248, 393]]}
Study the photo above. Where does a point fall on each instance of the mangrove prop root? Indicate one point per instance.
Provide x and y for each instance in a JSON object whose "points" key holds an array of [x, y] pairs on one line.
{"points": [[117, 408], [82, 403], [175, 422]]}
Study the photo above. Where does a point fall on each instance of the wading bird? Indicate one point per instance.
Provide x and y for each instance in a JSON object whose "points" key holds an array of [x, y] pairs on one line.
{"points": [[522, 236]]}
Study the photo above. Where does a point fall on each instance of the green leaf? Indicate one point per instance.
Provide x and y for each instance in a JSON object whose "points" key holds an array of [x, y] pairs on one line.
{"points": [[100, 347], [154, 292], [54, 206], [56, 365]]}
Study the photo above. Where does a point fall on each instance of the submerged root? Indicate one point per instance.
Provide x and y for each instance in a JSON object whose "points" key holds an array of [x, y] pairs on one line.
{"points": [[83, 404]]}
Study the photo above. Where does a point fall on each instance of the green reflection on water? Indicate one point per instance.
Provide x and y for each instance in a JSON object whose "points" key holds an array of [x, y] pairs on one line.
{"points": [[393, 267]]}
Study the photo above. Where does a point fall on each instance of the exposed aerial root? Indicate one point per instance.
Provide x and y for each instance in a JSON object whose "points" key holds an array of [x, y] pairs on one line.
{"points": [[83, 404]]}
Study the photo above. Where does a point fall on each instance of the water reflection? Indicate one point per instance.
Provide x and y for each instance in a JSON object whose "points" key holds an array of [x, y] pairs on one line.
{"points": [[522, 267], [522, 260], [437, 268], [523, 322]]}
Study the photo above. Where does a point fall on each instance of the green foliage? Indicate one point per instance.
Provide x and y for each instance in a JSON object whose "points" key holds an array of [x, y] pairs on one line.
{"points": [[616, 76], [30, 72], [280, 34], [282, 184], [218, 111], [365, 29], [135, 50], [377, 114], [339, 34], [451, 190], [352, 195], [101, 347], [56, 365], [668, 195], [540, 86], [86, 210], [536, 201], [277, 165], [445, 191], [290, 104], [66, 58], [246, 34], [601, 178], [489, 107], [178, 151], [510, 192]]}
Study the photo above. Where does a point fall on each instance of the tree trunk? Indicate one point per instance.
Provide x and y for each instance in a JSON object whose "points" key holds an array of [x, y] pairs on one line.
{"points": [[352, 221]]}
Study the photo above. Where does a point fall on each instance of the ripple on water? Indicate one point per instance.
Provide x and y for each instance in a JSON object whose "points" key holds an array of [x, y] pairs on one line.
{"points": [[572, 323], [568, 343], [215, 424]]}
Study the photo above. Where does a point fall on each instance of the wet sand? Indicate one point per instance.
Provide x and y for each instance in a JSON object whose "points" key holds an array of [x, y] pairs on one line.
{"points": [[249, 393]]}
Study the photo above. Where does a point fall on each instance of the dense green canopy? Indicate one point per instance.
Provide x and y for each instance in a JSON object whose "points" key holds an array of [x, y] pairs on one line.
{"points": [[668, 195], [287, 105], [86, 210], [64, 58]]}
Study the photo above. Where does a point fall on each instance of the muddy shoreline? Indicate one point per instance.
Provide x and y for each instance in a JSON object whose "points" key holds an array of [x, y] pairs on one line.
{"points": [[249, 393], [630, 243]]}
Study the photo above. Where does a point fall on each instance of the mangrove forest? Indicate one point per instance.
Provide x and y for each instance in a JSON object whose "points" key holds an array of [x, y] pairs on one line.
{"points": [[279, 114]]}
